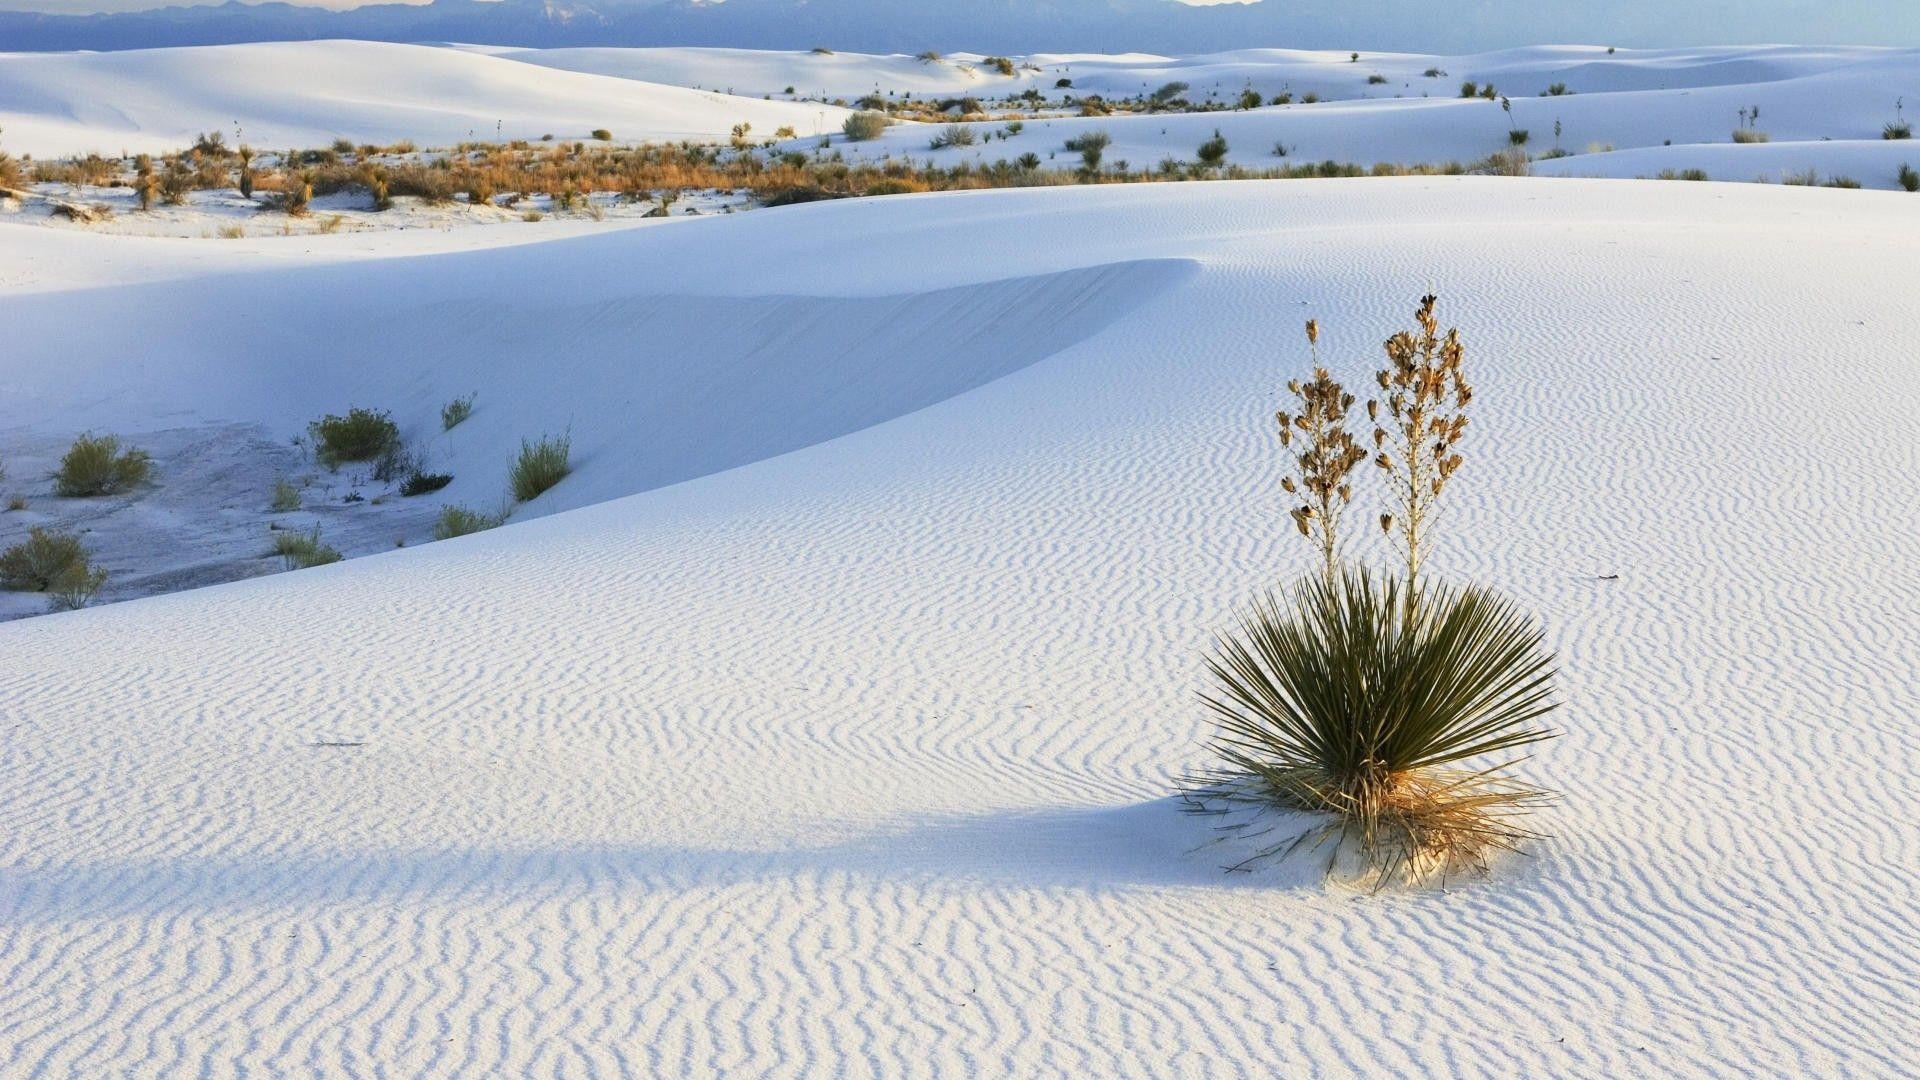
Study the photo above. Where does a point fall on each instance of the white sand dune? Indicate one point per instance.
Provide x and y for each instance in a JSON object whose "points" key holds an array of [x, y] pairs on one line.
{"points": [[308, 93], [852, 759]]}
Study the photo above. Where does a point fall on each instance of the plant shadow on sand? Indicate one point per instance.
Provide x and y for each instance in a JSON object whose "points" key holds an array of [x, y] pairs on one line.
{"points": [[1150, 845]]}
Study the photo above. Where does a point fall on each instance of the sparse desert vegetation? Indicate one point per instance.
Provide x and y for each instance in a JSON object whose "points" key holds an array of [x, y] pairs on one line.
{"points": [[540, 466], [301, 550], [460, 521], [97, 465], [361, 435]]}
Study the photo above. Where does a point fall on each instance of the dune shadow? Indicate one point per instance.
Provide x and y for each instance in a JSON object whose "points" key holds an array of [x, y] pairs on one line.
{"points": [[1151, 845]]}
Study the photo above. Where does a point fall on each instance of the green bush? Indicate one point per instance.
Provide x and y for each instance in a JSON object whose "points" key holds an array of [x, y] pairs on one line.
{"points": [[286, 497], [95, 465], [1909, 178], [459, 521], [1367, 704], [361, 435], [862, 126], [1214, 150], [424, 483], [952, 135], [1899, 129], [302, 550], [539, 466], [44, 557], [75, 587]]}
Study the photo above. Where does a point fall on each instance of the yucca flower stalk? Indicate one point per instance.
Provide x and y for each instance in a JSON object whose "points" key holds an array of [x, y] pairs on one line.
{"points": [[1344, 701], [1418, 420], [1326, 459]]}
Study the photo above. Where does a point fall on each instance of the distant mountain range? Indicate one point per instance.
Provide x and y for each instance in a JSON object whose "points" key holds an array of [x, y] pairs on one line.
{"points": [[1011, 26]]}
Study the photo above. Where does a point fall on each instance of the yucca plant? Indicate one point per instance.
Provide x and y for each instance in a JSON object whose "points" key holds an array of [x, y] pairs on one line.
{"points": [[1327, 457], [1417, 426], [1344, 700]]}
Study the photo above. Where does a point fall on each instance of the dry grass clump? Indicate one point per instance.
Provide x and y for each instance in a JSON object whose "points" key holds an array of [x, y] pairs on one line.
{"points": [[361, 435], [862, 126], [952, 135], [455, 412], [300, 550], [286, 497], [460, 521], [1909, 178], [95, 465], [1750, 135], [540, 466], [1366, 702]]}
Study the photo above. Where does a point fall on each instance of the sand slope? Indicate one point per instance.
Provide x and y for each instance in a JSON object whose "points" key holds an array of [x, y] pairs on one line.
{"points": [[853, 760], [309, 93]]}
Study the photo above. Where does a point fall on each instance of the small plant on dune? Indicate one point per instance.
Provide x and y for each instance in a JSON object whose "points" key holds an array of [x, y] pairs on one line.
{"points": [[1326, 459], [1001, 64], [424, 483], [1353, 702], [455, 412], [1899, 128], [16, 503], [1091, 147], [862, 126], [1842, 182], [245, 154], [952, 135], [602, 135], [540, 466], [1376, 80], [286, 497], [1750, 135], [1469, 89], [95, 465], [34, 564], [361, 435], [11, 175], [1367, 702], [1250, 99], [1516, 136], [459, 521], [1419, 420], [930, 57], [75, 587], [298, 198], [298, 550], [1213, 151], [1909, 178]]}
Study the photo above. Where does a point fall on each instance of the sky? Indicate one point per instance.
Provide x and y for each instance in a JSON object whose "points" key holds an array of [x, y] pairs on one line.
{"points": [[1682, 22]]}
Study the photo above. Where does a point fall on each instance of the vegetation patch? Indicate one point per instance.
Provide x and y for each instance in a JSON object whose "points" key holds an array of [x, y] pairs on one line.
{"points": [[361, 435], [95, 465]]}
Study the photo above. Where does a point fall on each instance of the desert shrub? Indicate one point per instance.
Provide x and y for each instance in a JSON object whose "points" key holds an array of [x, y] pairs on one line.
{"points": [[11, 175], [455, 412], [822, 50], [865, 125], [1063, 84], [1214, 150], [75, 587], [1000, 64], [1365, 703], [893, 186], [1250, 98], [1682, 174], [1909, 178], [286, 496], [1899, 129], [1510, 162], [298, 550], [602, 135], [1842, 182], [95, 465], [1376, 80], [1806, 178], [459, 521], [1091, 147], [361, 435], [1750, 135], [952, 135], [424, 483], [930, 57], [16, 503], [1558, 89], [1169, 93], [1517, 136], [1434, 73], [1310, 98], [34, 564], [298, 196], [540, 466], [1469, 89]]}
